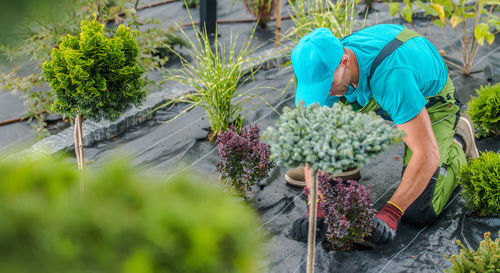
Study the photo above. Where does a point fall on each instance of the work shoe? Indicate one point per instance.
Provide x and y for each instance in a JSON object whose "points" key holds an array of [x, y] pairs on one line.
{"points": [[296, 176], [465, 129]]}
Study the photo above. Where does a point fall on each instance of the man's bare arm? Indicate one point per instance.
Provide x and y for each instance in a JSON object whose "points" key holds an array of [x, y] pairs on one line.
{"points": [[423, 163]]}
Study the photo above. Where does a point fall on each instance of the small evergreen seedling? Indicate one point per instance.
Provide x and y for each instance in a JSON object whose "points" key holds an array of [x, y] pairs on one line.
{"points": [[347, 210], [480, 179], [485, 260], [329, 139], [94, 76], [243, 159], [484, 110]]}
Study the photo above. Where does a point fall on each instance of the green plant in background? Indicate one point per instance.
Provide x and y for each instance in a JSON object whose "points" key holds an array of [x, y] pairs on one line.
{"points": [[486, 259], [125, 221], [480, 179], [95, 77], [484, 110], [261, 9], [308, 15], [329, 139], [44, 35], [215, 73], [485, 24]]}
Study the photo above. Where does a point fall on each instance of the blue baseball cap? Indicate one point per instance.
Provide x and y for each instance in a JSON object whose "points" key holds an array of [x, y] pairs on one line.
{"points": [[314, 61]]}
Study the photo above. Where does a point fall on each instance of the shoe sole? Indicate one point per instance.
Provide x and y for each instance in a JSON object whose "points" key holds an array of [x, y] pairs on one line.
{"points": [[294, 182], [473, 152]]}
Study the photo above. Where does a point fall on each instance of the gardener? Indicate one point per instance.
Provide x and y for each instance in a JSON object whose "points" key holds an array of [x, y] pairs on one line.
{"points": [[399, 75]]}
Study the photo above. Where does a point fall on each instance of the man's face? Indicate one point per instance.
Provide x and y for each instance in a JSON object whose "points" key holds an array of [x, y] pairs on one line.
{"points": [[341, 81]]}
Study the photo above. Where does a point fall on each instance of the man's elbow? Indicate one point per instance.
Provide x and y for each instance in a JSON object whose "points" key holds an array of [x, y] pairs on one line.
{"points": [[433, 157]]}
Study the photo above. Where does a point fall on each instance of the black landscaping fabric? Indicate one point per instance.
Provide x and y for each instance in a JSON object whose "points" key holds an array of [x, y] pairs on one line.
{"points": [[181, 144]]}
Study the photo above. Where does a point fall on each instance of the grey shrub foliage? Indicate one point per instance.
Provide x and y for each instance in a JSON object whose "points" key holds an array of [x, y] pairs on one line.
{"points": [[329, 139]]}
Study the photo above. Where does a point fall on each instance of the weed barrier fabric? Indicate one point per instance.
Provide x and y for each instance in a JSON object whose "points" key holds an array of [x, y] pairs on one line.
{"points": [[181, 144]]}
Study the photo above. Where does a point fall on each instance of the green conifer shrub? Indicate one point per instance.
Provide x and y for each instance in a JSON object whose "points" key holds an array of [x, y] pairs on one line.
{"points": [[484, 110], [329, 139], [125, 221], [485, 260], [480, 179], [95, 76]]}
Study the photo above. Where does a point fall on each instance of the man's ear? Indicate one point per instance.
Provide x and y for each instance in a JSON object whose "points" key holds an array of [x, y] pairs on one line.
{"points": [[345, 60]]}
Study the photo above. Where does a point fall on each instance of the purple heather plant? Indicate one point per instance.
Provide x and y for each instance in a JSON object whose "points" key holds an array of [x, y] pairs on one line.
{"points": [[347, 209], [243, 158]]}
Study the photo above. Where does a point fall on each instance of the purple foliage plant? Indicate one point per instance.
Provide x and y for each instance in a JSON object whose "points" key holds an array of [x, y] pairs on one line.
{"points": [[243, 158], [347, 209]]}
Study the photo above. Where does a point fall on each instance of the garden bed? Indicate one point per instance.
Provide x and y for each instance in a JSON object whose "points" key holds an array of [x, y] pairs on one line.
{"points": [[181, 144]]}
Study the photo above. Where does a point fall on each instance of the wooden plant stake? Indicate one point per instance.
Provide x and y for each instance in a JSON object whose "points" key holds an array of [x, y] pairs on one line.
{"points": [[311, 235], [278, 23], [79, 142]]}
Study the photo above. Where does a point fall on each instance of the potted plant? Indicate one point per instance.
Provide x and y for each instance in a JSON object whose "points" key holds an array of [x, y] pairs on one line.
{"points": [[347, 209], [327, 139], [94, 76], [243, 158]]}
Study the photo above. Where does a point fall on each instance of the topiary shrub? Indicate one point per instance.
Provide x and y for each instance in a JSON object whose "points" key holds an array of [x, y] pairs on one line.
{"points": [[125, 221], [347, 209], [484, 110], [94, 76], [480, 179], [486, 259], [243, 159], [329, 139], [261, 9]]}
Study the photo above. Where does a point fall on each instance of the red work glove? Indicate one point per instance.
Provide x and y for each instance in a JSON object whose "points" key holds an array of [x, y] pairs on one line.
{"points": [[385, 223]]}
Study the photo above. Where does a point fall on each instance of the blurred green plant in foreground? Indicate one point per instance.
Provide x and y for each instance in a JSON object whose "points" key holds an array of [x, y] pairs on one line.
{"points": [[124, 221]]}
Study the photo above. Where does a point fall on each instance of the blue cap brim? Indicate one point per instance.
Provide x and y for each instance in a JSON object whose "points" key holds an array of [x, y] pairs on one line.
{"points": [[313, 93]]}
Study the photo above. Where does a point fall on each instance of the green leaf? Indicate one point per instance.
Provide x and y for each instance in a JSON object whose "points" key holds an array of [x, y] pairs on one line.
{"points": [[426, 8], [438, 23], [455, 20], [495, 23], [490, 38], [393, 8], [480, 32], [440, 11], [407, 13]]}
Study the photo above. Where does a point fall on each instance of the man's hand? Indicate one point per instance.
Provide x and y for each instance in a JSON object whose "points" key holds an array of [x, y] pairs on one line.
{"points": [[385, 223]]}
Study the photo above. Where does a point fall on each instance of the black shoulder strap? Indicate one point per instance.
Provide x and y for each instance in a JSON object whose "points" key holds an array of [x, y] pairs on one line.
{"points": [[394, 44]]}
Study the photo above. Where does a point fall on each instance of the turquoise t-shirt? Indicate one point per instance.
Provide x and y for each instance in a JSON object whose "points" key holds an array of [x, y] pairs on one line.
{"points": [[403, 80]]}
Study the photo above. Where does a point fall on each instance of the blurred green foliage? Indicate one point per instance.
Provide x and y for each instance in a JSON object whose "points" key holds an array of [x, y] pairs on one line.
{"points": [[95, 76], [124, 221], [484, 110], [480, 179]]}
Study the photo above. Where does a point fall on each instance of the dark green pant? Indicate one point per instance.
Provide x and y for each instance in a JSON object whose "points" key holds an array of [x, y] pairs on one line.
{"points": [[443, 115]]}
